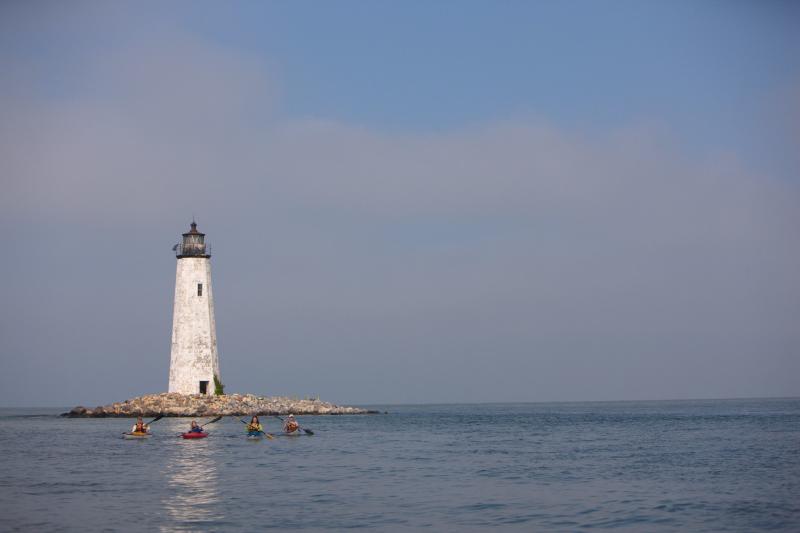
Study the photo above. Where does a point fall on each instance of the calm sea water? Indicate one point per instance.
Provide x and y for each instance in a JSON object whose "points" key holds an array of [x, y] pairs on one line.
{"points": [[731, 465]]}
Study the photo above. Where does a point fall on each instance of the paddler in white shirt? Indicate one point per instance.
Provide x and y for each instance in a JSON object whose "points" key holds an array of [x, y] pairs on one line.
{"points": [[291, 425], [140, 426]]}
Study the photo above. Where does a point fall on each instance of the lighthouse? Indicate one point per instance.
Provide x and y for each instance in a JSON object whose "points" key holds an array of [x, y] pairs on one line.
{"points": [[193, 359]]}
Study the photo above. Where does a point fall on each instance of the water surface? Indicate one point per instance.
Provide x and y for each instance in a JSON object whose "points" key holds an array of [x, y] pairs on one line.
{"points": [[724, 465]]}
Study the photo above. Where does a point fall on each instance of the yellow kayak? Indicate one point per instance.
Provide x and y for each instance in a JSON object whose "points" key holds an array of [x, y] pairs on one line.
{"points": [[136, 435]]}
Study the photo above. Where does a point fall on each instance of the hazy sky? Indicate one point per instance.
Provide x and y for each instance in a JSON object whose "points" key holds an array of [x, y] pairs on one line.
{"points": [[406, 201]]}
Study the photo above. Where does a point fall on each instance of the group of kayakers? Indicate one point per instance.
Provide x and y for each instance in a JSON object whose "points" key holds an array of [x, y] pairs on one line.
{"points": [[254, 427], [290, 425]]}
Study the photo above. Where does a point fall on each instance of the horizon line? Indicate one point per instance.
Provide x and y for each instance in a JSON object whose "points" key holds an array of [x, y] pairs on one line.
{"points": [[498, 402]]}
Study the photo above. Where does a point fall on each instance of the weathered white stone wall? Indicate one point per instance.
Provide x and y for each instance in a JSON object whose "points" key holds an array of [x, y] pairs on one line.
{"points": [[194, 337]]}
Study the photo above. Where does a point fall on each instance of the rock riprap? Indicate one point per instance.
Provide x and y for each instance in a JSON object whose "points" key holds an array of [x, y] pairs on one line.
{"points": [[174, 404]]}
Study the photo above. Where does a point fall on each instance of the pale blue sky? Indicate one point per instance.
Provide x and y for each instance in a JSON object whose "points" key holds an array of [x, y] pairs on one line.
{"points": [[455, 201], [711, 70]]}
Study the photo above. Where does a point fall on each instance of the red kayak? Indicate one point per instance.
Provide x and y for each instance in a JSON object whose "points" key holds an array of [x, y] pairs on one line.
{"points": [[194, 435]]}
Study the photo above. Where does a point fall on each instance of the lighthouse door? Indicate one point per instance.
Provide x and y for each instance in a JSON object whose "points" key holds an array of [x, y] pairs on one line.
{"points": [[204, 387]]}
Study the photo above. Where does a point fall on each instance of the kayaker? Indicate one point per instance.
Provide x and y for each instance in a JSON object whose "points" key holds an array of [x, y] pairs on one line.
{"points": [[140, 426], [291, 424], [195, 428], [255, 427]]}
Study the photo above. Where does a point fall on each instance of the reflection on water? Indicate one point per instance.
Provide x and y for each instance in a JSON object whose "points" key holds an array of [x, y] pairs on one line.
{"points": [[193, 487]]}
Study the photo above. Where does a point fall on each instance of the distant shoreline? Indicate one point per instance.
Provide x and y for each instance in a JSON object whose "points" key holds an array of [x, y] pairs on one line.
{"points": [[59, 409]]}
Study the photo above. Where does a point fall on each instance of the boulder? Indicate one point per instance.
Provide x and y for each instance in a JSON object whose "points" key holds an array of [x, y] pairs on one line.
{"points": [[78, 411]]}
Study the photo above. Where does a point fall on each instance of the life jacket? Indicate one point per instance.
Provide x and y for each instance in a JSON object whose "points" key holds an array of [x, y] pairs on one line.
{"points": [[140, 428], [292, 426], [254, 428]]}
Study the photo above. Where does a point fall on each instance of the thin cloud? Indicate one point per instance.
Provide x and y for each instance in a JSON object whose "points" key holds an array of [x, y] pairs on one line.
{"points": [[551, 264]]}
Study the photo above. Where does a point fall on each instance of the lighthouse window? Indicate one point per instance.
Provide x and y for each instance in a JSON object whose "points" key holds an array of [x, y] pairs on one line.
{"points": [[199, 289]]}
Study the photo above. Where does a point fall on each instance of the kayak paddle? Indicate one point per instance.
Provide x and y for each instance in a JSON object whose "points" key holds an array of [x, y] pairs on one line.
{"points": [[212, 421], [308, 431], [156, 419], [268, 435]]}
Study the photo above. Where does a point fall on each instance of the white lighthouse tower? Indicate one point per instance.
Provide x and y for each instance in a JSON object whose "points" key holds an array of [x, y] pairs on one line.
{"points": [[193, 360]]}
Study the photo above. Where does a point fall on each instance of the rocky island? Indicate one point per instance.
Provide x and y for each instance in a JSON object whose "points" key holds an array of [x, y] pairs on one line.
{"points": [[198, 405], [195, 387]]}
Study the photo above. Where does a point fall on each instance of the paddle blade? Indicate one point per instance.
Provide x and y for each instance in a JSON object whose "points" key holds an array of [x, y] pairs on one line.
{"points": [[212, 421], [269, 436], [156, 419], [308, 431]]}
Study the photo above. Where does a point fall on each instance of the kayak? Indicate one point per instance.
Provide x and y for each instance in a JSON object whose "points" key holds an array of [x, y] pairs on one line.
{"points": [[194, 435], [136, 435], [255, 435]]}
